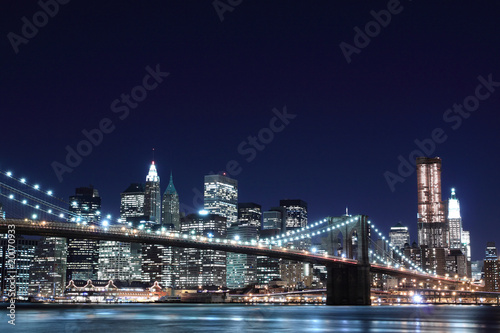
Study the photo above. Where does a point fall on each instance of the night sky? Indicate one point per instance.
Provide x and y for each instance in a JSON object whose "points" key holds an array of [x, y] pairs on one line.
{"points": [[348, 122]]}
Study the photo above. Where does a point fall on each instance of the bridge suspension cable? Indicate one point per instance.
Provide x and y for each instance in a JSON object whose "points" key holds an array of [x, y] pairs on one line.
{"points": [[395, 249]]}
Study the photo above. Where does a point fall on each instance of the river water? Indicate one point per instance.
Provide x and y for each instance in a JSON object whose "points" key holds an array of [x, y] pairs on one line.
{"points": [[180, 318]]}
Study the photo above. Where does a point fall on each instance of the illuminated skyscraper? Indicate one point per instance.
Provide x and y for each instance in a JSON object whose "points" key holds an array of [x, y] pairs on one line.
{"points": [[85, 205], [491, 251], [158, 264], [152, 195], [296, 211], [249, 213], [454, 221], [170, 206], [274, 219], [114, 261], [24, 255], [466, 244], [48, 273], [273, 223], [399, 236], [83, 254], [132, 203], [2, 213], [432, 226], [203, 267], [131, 211], [241, 268], [491, 268], [221, 197]]}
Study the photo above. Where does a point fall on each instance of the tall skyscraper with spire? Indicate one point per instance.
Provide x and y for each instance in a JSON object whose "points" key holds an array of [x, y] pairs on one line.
{"points": [[152, 195], [170, 206], [454, 221], [432, 226]]}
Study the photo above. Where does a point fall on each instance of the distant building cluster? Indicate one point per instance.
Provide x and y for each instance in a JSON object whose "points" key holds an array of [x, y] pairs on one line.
{"points": [[443, 246], [53, 266], [56, 267]]}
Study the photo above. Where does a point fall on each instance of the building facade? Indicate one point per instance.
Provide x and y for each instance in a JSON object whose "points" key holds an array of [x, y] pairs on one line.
{"points": [[432, 226], [250, 213], [296, 211], [24, 254], [491, 268], [152, 195], [132, 204], [83, 254], [48, 273], [200, 267], [170, 207], [399, 236], [241, 268], [454, 221], [221, 197]]}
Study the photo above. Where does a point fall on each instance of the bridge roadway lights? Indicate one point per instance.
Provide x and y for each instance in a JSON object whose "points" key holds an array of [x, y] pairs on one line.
{"points": [[348, 285]]}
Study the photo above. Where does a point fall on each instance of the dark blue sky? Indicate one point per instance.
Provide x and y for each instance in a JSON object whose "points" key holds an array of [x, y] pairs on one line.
{"points": [[352, 120]]}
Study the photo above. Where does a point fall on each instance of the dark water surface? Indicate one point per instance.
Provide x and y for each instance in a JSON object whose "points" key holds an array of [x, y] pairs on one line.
{"points": [[249, 318]]}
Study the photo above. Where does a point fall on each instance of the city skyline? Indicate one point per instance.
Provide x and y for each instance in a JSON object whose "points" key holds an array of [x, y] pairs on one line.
{"points": [[229, 81]]}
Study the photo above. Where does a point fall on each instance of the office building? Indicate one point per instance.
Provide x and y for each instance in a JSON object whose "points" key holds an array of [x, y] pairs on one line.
{"points": [[200, 268], [132, 204], [466, 248], [24, 254], [296, 211], [454, 221], [241, 268], [85, 205], [432, 226], [274, 219], [126, 264], [48, 272], [159, 264], [114, 261], [152, 195], [293, 272], [491, 251], [399, 236], [456, 263], [268, 269], [221, 197], [2, 212], [170, 207], [491, 268], [83, 254], [250, 213]]}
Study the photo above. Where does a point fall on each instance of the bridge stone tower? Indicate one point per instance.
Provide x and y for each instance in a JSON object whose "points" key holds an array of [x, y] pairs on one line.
{"points": [[348, 284]]}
